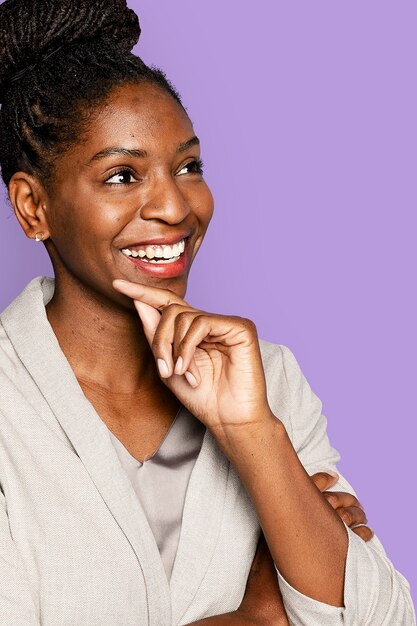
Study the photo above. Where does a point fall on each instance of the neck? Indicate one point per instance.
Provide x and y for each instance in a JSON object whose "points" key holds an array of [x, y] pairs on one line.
{"points": [[103, 342]]}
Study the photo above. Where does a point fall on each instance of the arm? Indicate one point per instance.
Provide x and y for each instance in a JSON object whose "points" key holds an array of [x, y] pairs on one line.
{"points": [[262, 602], [374, 592], [299, 525]]}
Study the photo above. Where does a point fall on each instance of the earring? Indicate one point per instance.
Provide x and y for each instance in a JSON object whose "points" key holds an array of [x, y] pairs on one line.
{"points": [[39, 236]]}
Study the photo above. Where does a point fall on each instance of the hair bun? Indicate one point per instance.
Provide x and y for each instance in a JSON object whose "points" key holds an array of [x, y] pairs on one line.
{"points": [[32, 29]]}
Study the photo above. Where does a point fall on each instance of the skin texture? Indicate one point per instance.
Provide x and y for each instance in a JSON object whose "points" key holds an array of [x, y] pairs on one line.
{"points": [[86, 222]]}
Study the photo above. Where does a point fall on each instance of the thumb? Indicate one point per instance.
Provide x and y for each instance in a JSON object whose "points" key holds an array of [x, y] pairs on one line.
{"points": [[150, 319]]}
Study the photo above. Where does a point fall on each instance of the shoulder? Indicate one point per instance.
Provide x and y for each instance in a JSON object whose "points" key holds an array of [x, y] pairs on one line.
{"points": [[18, 324], [290, 395], [281, 367]]}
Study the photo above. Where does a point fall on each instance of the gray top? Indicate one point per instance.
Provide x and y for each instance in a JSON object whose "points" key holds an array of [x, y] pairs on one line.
{"points": [[161, 481]]}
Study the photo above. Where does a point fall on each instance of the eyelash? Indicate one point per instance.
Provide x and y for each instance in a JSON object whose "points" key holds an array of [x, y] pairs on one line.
{"points": [[123, 170], [196, 165]]}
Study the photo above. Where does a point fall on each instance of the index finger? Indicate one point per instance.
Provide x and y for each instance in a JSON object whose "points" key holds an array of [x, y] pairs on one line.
{"points": [[154, 296]]}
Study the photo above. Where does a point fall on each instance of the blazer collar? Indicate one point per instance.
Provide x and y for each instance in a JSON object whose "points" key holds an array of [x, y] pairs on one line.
{"points": [[27, 326]]}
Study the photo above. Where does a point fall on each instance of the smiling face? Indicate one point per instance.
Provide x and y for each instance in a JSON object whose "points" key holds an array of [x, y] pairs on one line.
{"points": [[133, 181]]}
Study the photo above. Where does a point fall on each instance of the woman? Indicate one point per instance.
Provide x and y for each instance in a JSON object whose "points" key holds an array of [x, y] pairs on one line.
{"points": [[142, 457]]}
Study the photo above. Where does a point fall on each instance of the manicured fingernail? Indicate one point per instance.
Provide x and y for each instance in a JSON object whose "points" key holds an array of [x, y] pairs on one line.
{"points": [[178, 365], [163, 368], [191, 379], [334, 474]]}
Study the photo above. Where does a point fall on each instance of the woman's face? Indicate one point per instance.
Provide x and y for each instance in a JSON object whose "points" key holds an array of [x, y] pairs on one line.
{"points": [[133, 181]]}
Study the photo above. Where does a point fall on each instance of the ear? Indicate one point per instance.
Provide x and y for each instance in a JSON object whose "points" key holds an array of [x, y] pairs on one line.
{"points": [[29, 200]]}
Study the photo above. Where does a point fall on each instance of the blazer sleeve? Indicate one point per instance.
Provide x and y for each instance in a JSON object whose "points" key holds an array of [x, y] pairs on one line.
{"points": [[375, 593], [17, 606]]}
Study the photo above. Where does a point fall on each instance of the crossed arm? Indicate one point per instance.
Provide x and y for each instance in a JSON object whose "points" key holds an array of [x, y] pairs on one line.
{"points": [[262, 604]]}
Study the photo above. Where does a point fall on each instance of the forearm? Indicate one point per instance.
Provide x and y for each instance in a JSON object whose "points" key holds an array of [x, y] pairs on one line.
{"points": [[306, 538]]}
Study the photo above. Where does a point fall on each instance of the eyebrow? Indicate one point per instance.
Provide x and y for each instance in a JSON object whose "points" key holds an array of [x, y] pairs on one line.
{"points": [[139, 153]]}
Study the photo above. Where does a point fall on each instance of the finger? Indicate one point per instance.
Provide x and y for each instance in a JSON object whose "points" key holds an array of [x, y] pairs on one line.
{"points": [[325, 480], [155, 296], [190, 369], [340, 499], [150, 319], [193, 374], [164, 337], [364, 532], [200, 328], [182, 323], [352, 515]]}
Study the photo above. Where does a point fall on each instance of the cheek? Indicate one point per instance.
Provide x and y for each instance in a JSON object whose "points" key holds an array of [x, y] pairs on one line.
{"points": [[91, 222], [203, 204]]}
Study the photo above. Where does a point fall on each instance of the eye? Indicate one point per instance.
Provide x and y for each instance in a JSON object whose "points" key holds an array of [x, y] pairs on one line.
{"points": [[194, 167], [122, 177]]}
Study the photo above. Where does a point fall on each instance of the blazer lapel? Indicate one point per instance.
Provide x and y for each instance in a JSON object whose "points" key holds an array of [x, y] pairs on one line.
{"points": [[201, 522], [27, 327]]}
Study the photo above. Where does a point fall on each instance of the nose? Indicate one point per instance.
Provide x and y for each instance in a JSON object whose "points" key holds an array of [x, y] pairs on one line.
{"points": [[165, 202]]}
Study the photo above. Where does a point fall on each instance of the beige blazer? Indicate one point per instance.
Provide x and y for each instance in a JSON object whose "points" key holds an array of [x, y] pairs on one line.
{"points": [[75, 546]]}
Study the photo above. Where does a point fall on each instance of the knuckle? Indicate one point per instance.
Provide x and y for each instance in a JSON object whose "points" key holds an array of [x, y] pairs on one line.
{"points": [[346, 517], [183, 317], [249, 325], [332, 499], [173, 307], [360, 516]]}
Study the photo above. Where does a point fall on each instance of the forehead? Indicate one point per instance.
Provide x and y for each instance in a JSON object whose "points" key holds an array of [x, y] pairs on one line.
{"points": [[138, 114]]}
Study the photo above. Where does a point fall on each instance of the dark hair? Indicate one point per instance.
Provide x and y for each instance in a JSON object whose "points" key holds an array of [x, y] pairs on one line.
{"points": [[59, 59]]}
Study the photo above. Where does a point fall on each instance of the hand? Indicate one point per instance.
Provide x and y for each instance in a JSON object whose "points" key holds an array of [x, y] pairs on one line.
{"points": [[221, 352], [349, 509]]}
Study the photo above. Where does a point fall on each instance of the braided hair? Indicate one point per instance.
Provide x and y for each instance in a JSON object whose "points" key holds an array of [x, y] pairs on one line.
{"points": [[59, 59]]}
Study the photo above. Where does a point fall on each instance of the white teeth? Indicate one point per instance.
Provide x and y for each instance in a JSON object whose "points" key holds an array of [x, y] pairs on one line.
{"points": [[167, 252], [159, 253], [162, 261]]}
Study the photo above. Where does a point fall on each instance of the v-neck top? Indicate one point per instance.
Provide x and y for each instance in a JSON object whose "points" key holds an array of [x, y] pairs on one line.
{"points": [[161, 481]]}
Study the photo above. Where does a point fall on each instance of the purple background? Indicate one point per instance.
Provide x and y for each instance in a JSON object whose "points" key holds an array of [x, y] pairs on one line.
{"points": [[307, 116]]}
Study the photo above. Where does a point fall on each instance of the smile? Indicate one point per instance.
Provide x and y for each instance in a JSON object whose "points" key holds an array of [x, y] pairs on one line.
{"points": [[156, 254]]}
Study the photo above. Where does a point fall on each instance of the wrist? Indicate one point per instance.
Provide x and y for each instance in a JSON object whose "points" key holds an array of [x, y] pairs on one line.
{"points": [[249, 440]]}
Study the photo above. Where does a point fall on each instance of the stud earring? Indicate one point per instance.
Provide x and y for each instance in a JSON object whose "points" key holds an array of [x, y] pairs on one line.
{"points": [[39, 236]]}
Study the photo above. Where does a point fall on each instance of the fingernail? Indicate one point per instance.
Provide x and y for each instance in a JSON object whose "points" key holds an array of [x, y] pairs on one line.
{"points": [[191, 379], [163, 368], [178, 365], [334, 474]]}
